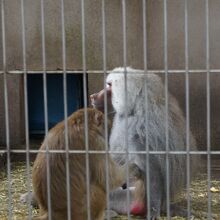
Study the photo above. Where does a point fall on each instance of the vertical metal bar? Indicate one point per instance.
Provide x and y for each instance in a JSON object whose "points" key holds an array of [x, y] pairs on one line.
{"points": [[187, 111], [124, 24], [45, 107], [146, 108], [208, 108], [26, 110], [6, 110], [65, 111], [85, 112], [105, 107], [166, 107]]}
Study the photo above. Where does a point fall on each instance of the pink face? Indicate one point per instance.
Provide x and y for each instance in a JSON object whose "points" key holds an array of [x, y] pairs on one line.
{"points": [[98, 99]]}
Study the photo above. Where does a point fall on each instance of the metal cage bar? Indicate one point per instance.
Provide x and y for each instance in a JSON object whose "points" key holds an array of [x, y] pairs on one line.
{"points": [[85, 105], [208, 108], [167, 110], [115, 152], [45, 107], [28, 170], [149, 71], [104, 53], [124, 38], [187, 110], [65, 111], [148, 192], [8, 150]]}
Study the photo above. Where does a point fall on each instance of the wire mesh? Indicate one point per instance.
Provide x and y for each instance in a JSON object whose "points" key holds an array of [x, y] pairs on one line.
{"points": [[104, 70]]}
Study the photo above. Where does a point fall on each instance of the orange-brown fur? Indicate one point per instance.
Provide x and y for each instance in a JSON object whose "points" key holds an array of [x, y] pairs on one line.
{"points": [[77, 167]]}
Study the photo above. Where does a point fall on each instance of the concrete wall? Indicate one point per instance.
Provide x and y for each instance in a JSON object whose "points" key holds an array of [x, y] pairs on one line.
{"points": [[114, 47], [16, 111], [53, 42], [93, 29], [197, 58]]}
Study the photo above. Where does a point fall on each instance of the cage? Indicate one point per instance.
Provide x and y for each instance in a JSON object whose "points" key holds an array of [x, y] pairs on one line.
{"points": [[56, 53]]}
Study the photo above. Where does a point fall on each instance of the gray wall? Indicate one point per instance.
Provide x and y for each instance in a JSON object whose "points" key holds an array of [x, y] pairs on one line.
{"points": [[15, 108], [114, 48], [93, 29], [197, 58], [53, 40]]}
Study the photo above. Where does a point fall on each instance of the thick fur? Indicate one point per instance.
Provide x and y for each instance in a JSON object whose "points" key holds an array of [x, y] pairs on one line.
{"points": [[77, 167], [146, 124]]}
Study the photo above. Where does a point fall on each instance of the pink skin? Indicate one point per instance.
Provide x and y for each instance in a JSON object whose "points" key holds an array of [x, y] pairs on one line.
{"points": [[97, 101], [138, 208]]}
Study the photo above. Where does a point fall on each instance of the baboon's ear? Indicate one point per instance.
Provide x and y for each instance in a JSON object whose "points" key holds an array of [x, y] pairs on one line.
{"points": [[98, 118]]}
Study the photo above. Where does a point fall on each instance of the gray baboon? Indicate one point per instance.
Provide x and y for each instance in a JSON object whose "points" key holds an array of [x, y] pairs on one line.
{"points": [[140, 118]]}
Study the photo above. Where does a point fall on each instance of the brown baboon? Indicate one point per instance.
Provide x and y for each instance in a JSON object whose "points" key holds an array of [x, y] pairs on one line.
{"points": [[55, 140]]}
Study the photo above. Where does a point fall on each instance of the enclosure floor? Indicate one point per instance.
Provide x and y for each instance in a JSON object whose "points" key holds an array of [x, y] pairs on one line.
{"points": [[19, 185]]}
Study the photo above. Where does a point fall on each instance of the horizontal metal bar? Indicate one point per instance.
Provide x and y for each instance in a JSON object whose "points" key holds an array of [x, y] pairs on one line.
{"points": [[108, 71], [114, 152]]}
